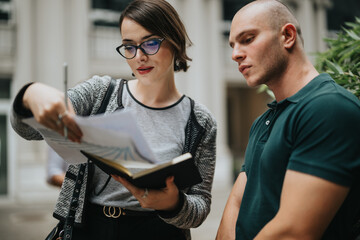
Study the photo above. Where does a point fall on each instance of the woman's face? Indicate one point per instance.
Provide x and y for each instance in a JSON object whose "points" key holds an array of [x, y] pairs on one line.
{"points": [[148, 68]]}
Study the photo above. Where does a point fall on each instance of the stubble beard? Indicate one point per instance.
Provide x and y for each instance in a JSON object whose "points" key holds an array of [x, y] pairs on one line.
{"points": [[275, 69]]}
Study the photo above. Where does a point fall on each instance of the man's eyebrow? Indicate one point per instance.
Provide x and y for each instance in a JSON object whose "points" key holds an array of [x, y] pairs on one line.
{"points": [[237, 37], [143, 38]]}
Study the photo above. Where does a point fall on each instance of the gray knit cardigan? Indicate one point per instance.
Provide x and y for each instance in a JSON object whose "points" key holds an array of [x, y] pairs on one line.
{"points": [[200, 140]]}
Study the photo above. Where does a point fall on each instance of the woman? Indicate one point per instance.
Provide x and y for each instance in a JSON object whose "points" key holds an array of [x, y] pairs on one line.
{"points": [[154, 43]]}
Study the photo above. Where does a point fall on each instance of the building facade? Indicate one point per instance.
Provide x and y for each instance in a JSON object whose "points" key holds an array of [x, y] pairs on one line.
{"points": [[38, 36]]}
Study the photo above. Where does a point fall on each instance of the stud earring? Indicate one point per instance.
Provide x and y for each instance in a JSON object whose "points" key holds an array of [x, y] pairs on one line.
{"points": [[177, 66]]}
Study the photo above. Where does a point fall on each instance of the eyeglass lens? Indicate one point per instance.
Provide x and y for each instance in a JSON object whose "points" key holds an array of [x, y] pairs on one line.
{"points": [[149, 47]]}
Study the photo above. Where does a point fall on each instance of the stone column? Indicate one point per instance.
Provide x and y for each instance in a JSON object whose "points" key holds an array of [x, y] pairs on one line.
{"points": [[50, 48], [23, 72], [76, 38], [321, 20], [205, 79], [37, 48], [307, 19]]}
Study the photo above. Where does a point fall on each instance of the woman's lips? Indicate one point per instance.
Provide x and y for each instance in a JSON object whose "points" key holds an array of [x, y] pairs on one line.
{"points": [[145, 70]]}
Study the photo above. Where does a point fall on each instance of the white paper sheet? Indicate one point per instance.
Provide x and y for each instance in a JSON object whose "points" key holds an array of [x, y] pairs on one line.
{"points": [[113, 136]]}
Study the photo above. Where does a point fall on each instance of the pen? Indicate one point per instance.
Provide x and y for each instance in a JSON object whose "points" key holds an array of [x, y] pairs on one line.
{"points": [[66, 96]]}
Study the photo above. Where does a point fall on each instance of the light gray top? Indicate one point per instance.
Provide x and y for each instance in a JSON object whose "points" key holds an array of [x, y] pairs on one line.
{"points": [[164, 130]]}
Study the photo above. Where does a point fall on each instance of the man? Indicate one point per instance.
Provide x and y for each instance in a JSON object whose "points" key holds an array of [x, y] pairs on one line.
{"points": [[301, 174]]}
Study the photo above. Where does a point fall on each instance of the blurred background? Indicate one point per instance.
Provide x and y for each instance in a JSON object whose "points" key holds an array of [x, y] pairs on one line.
{"points": [[38, 36]]}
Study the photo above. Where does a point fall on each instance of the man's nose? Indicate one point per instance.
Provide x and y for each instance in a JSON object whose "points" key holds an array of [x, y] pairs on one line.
{"points": [[237, 54]]}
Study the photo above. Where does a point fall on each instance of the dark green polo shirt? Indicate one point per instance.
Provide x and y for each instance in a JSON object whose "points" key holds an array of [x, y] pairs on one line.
{"points": [[316, 131]]}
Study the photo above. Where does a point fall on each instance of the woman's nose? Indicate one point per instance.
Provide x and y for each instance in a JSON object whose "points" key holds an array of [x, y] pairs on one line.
{"points": [[141, 54]]}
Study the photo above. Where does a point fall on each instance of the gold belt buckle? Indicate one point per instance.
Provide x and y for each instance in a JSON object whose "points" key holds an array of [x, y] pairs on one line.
{"points": [[110, 212]]}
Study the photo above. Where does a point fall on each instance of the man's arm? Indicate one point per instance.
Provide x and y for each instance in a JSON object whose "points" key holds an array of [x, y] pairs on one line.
{"points": [[307, 206], [227, 225]]}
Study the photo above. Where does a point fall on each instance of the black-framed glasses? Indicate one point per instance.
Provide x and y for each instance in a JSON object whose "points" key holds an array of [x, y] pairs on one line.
{"points": [[149, 47]]}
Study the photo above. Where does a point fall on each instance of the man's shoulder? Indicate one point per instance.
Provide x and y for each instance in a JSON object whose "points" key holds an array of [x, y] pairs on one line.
{"points": [[335, 98], [327, 93]]}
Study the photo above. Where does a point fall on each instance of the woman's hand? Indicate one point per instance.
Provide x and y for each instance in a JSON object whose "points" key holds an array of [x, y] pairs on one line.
{"points": [[48, 107], [165, 199]]}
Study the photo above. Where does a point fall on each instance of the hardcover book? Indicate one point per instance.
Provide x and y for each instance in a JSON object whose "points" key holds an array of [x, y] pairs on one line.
{"points": [[182, 168]]}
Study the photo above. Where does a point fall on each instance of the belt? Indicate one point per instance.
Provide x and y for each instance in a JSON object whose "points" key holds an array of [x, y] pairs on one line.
{"points": [[116, 212]]}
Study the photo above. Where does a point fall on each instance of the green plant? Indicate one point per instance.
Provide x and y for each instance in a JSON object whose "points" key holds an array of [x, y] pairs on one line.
{"points": [[264, 88], [342, 59]]}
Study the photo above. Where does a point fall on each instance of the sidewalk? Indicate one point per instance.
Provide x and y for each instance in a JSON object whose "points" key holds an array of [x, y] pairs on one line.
{"points": [[34, 221]]}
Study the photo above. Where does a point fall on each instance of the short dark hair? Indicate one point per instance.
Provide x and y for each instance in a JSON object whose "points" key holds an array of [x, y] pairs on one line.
{"points": [[160, 18]]}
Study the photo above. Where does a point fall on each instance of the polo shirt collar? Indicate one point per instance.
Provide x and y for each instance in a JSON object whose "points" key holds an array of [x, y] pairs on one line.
{"points": [[310, 87], [305, 91]]}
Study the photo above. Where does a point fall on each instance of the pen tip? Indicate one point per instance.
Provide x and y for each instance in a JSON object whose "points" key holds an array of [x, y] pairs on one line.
{"points": [[65, 64]]}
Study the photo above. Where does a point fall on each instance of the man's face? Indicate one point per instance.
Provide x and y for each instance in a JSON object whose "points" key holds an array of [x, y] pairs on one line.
{"points": [[256, 47]]}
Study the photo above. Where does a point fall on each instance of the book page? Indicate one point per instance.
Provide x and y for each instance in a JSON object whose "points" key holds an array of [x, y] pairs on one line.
{"points": [[113, 136]]}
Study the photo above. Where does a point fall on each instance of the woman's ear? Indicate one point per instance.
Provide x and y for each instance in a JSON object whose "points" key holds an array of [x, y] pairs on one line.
{"points": [[289, 34]]}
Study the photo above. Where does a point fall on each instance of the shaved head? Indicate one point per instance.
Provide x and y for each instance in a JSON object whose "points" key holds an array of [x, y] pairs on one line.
{"points": [[276, 14]]}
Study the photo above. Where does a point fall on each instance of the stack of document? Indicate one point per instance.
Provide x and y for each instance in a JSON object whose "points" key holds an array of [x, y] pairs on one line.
{"points": [[115, 143], [113, 136]]}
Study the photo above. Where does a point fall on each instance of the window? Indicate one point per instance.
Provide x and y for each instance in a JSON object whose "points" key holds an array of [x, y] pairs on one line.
{"points": [[107, 12], [230, 7], [5, 8], [105, 36], [3, 155], [5, 88], [340, 13], [114, 5]]}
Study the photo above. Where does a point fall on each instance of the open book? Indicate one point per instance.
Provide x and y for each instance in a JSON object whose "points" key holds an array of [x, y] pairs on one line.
{"points": [[182, 168], [117, 138]]}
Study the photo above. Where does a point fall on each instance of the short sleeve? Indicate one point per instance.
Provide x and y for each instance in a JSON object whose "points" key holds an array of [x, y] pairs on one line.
{"points": [[327, 139]]}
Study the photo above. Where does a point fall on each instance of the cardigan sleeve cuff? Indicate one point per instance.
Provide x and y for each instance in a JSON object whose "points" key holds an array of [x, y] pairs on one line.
{"points": [[18, 103], [173, 213]]}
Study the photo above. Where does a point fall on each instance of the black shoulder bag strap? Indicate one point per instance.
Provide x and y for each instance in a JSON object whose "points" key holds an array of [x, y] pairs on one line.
{"points": [[70, 219], [107, 96], [120, 106]]}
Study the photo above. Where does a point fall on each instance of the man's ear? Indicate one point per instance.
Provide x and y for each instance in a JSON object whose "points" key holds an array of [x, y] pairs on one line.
{"points": [[289, 34]]}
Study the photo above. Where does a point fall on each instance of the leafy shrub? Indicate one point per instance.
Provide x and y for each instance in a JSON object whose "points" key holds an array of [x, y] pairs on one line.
{"points": [[342, 59]]}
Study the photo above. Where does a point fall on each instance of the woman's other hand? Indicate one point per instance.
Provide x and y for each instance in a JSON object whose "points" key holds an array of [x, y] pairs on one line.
{"points": [[165, 199]]}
